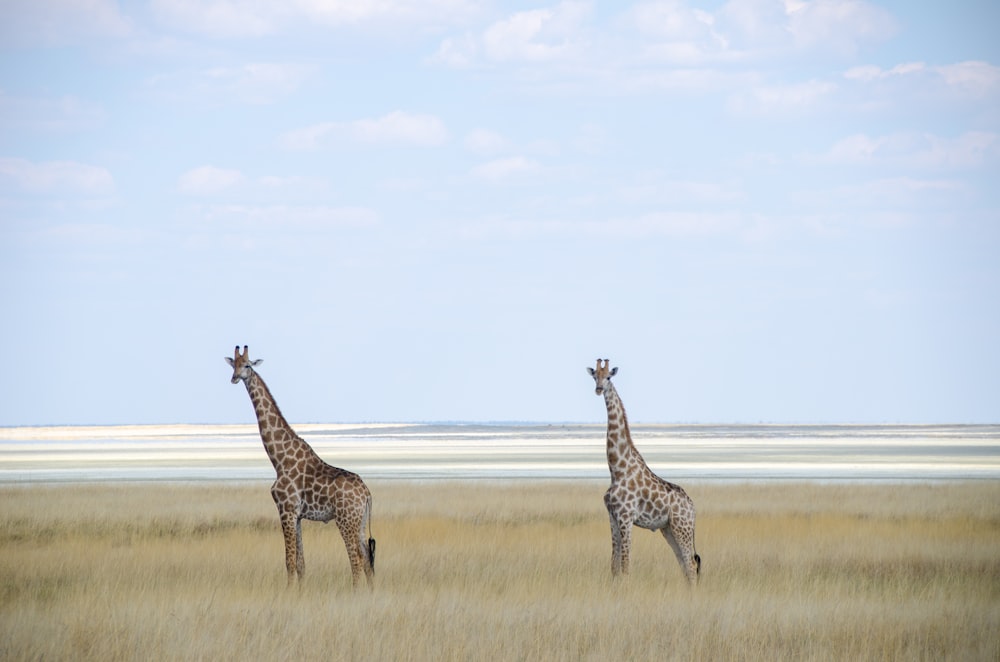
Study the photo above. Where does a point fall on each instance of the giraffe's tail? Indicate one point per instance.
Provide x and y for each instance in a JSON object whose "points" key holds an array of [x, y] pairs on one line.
{"points": [[371, 540]]}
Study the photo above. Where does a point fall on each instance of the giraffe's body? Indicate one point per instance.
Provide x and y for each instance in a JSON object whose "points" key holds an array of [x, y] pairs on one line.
{"points": [[638, 496], [306, 487]]}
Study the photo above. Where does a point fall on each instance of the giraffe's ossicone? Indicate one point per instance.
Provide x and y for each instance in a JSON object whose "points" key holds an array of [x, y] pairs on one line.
{"points": [[638, 496], [305, 486]]}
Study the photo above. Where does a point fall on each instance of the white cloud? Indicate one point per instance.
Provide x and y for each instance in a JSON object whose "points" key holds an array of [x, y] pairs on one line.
{"points": [[624, 51], [395, 128], [458, 52], [537, 35], [221, 18], [506, 168], [293, 184], [58, 177], [409, 12], [839, 25], [671, 20], [484, 141], [884, 195], [671, 31], [301, 217], [898, 192], [533, 36], [208, 180], [653, 224], [400, 128], [748, 27], [671, 224], [257, 82], [980, 78], [255, 18], [783, 99], [975, 76], [972, 84], [251, 83], [871, 72], [921, 150], [658, 189]]}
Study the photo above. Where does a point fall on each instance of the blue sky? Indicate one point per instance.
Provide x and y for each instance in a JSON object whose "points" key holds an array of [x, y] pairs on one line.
{"points": [[446, 210]]}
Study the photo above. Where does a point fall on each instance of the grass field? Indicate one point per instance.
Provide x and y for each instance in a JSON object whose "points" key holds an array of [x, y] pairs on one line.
{"points": [[501, 571]]}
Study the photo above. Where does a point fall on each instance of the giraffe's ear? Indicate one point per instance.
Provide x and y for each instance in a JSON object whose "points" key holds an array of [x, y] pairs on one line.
{"points": [[230, 361], [614, 371], [591, 371], [257, 362]]}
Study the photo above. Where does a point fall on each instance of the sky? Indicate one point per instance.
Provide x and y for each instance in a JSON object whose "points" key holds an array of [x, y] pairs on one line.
{"points": [[760, 211]]}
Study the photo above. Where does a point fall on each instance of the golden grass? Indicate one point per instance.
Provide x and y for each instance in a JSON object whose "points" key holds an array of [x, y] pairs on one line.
{"points": [[502, 571]]}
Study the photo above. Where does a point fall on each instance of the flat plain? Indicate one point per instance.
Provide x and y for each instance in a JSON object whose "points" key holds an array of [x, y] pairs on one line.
{"points": [[491, 570]]}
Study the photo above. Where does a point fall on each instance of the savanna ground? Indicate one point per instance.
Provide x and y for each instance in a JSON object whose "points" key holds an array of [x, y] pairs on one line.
{"points": [[502, 571]]}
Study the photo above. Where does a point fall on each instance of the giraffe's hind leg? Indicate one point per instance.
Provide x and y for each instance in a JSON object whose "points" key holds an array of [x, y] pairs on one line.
{"points": [[367, 545], [683, 546], [356, 553]]}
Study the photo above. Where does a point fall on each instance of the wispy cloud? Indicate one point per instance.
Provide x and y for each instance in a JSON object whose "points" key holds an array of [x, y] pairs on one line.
{"points": [[285, 217], [484, 141], [980, 78], [784, 99], [921, 150], [208, 180], [549, 34], [255, 83], [668, 32], [871, 72], [653, 224], [252, 18], [57, 178], [973, 76], [220, 18], [905, 195], [506, 169], [397, 128], [842, 26]]}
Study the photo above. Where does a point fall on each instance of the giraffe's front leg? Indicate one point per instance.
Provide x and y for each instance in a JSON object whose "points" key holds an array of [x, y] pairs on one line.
{"points": [[290, 529], [616, 540], [625, 533], [621, 542], [616, 548]]}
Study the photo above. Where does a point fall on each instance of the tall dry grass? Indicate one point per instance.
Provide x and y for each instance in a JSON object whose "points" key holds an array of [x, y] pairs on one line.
{"points": [[496, 571]]}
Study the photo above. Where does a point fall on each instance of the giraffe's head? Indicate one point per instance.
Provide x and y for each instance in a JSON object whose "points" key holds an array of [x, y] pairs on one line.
{"points": [[242, 365], [602, 376]]}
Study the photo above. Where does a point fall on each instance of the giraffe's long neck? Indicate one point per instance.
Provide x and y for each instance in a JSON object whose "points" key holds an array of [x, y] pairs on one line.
{"points": [[623, 457], [280, 440]]}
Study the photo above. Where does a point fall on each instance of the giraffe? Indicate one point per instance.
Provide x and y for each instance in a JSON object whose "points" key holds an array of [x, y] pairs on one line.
{"points": [[637, 495], [306, 487]]}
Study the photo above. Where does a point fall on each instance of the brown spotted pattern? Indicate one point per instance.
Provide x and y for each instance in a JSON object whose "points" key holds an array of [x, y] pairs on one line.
{"points": [[637, 496], [307, 487]]}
